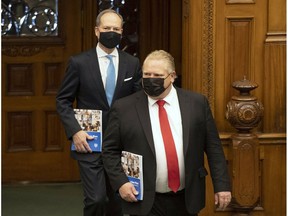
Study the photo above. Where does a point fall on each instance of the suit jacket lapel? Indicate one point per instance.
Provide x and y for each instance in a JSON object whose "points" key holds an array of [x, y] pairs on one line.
{"points": [[143, 114], [96, 74], [185, 109], [121, 73]]}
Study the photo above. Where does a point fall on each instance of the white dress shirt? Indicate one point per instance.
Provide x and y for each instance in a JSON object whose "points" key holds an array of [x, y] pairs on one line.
{"points": [[175, 121], [104, 62]]}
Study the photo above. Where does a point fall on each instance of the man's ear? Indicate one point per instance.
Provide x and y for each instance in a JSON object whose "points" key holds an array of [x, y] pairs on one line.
{"points": [[173, 76], [97, 32]]}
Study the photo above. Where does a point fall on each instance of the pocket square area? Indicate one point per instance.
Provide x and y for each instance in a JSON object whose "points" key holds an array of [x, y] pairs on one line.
{"points": [[127, 79]]}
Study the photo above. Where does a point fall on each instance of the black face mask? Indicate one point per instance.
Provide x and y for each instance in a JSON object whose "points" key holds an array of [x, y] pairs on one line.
{"points": [[153, 86], [109, 39]]}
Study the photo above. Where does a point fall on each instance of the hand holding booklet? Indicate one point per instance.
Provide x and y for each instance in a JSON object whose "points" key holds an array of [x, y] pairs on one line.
{"points": [[132, 166], [90, 122]]}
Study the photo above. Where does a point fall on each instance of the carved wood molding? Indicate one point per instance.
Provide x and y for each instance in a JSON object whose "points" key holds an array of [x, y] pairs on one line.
{"points": [[272, 139], [186, 9], [208, 52], [30, 46], [240, 1], [245, 170], [275, 37], [14, 51]]}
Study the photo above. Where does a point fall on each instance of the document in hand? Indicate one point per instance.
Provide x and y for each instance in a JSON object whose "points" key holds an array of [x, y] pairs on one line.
{"points": [[132, 165], [90, 122]]}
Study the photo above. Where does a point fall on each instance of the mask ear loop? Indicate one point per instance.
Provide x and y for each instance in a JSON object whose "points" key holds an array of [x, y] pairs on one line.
{"points": [[170, 82], [167, 76]]}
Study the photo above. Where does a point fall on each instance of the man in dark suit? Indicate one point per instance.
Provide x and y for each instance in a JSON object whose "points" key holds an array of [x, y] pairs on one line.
{"points": [[134, 126], [86, 82]]}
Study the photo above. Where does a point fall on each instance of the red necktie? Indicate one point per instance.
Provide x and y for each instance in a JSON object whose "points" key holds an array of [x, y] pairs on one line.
{"points": [[171, 155]]}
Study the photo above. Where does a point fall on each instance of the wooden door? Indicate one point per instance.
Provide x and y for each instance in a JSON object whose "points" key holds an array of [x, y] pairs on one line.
{"points": [[34, 146]]}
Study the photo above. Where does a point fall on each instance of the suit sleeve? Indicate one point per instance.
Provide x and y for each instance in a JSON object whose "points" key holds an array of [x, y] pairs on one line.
{"points": [[65, 99], [215, 154], [138, 77], [111, 150]]}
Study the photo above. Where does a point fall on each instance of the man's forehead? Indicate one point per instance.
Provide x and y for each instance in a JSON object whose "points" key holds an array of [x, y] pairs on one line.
{"points": [[154, 70], [154, 63], [111, 17]]}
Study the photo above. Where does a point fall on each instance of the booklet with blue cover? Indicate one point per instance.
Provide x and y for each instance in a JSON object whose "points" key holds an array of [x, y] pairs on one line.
{"points": [[90, 122], [133, 168]]}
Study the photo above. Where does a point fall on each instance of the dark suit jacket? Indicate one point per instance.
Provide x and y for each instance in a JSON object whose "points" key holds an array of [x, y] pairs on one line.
{"points": [[83, 82], [129, 129]]}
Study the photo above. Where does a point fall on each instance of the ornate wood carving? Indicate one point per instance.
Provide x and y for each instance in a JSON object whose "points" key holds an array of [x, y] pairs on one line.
{"points": [[245, 172], [186, 10], [198, 60], [244, 113], [240, 30], [15, 51], [208, 52]]}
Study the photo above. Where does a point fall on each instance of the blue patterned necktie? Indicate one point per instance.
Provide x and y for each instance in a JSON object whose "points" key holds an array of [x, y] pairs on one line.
{"points": [[110, 80]]}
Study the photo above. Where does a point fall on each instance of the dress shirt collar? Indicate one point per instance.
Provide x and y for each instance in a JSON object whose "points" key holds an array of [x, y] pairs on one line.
{"points": [[168, 99], [102, 54]]}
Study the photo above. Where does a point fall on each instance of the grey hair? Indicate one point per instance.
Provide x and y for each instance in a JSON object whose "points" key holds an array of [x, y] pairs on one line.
{"points": [[164, 56], [98, 19]]}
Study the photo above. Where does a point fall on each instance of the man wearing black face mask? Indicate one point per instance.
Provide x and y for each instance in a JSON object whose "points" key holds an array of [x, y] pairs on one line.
{"points": [[95, 79], [172, 129]]}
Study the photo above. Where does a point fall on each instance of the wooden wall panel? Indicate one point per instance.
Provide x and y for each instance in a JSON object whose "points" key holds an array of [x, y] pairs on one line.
{"points": [[275, 69], [20, 131], [247, 37], [187, 26], [238, 55], [193, 26], [52, 131], [274, 178], [217, 37], [19, 79], [276, 16], [51, 78], [275, 88], [239, 51], [247, 189], [34, 147]]}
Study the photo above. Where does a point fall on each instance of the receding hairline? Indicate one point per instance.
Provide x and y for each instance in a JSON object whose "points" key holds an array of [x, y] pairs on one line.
{"points": [[98, 19], [164, 56]]}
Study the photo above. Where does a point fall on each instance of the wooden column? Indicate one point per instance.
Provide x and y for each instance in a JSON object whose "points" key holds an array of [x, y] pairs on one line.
{"points": [[244, 113]]}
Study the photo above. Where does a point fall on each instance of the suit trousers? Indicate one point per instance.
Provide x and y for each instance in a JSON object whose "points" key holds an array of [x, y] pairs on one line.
{"points": [[99, 198], [169, 204]]}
